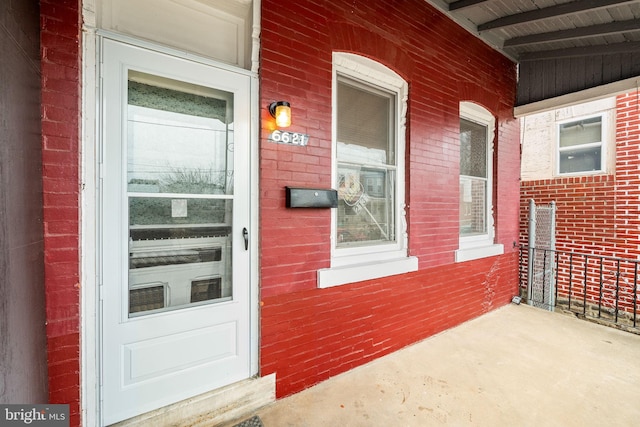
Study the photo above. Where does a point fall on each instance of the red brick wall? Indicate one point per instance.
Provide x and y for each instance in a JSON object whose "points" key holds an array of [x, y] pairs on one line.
{"points": [[309, 334], [585, 208], [598, 214], [60, 50], [627, 192]]}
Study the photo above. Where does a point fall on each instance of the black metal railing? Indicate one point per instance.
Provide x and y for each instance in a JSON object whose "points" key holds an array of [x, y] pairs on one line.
{"points": [[595, 287]]}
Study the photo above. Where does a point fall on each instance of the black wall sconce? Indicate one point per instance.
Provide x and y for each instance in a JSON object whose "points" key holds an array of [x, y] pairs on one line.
{"points": [[281, 111]]}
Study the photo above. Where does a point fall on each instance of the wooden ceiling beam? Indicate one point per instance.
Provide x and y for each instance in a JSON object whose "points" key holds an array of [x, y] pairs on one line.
{"points": [[584, 51], [461, 4], [549, 12], [575, 33]]}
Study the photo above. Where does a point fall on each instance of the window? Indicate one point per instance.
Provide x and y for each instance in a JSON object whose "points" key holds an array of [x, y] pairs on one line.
{"points": [[474, 178], [580, 145], [366, 165], [476, 184], [369, 237]]}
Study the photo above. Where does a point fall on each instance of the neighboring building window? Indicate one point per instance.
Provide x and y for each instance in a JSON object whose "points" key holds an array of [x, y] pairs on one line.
{"points": [[476, 184], [580, 145], [369, 236]]}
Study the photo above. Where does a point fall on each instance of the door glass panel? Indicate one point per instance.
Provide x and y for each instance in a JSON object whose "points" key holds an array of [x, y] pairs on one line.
{"points": [[149, 211], [180, 194]]}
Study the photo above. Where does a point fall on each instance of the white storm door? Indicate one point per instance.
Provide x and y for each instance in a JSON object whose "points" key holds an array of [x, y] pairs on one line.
{"points": [[175, 273]]}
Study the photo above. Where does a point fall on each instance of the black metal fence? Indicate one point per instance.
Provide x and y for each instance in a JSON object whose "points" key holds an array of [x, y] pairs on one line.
{"points": [[599, 288]]}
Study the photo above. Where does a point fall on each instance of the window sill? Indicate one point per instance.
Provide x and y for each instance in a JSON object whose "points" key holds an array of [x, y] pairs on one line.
{"points": [[336, 276], [580, 173], [479, 252]]}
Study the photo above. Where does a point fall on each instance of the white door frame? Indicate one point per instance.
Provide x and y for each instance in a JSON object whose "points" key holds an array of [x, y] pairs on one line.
{"points": [[91, 369]]}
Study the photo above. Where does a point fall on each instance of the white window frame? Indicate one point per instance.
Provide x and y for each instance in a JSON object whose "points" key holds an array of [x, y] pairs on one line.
{"points": [[604, 132], [355, 264], [481, 246]]}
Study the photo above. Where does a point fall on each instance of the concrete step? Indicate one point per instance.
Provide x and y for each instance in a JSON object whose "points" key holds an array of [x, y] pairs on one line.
{"points": [[214, 408]]}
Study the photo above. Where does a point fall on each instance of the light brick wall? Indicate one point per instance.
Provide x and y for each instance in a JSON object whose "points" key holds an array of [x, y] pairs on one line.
{"points": [[540, 137]]}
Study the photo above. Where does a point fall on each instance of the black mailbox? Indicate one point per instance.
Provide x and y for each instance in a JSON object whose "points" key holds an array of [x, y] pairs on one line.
{"points": [[311, 198]]}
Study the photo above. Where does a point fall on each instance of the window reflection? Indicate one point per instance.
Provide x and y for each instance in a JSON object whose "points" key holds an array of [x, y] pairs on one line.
{"points": [[179, 181], [366, 165], [473, 178]]}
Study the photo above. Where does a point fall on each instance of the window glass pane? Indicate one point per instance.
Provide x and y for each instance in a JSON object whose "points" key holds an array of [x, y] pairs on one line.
{"points": [[366, 203], [178, 142], [581, 132], [473, 149], [364, 125], [366, 165], [580, 160], [473, 208], [172, 211]]}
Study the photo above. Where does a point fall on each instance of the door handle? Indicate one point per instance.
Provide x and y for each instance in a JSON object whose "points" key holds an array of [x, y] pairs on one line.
{"points": [[245, 234]]}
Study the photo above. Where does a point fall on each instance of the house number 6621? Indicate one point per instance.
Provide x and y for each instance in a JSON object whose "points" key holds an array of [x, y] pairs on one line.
{"points": [[293, 138]]}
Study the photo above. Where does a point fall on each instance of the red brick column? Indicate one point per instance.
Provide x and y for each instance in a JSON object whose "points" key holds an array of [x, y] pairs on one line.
{"points": [[60, 50], [627, 175]]}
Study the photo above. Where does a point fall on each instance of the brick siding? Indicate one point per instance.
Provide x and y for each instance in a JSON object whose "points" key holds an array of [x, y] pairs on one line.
{"points": [[597, 214], [60, 52], [310, 334]]}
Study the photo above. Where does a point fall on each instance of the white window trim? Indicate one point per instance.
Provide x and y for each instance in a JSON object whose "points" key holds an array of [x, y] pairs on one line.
{"points": [[350, 265], [481, 246], [604, 120]]}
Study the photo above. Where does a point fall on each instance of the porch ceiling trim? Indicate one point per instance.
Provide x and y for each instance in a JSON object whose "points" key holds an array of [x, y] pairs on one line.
{"points": [[551, 39]]}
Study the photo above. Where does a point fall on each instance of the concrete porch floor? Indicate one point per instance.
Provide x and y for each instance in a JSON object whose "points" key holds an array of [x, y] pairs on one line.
{"points": [[516, 366]]}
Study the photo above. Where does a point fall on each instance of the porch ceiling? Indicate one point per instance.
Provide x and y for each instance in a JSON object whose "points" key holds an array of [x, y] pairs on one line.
{"points": [[561, 46]]}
